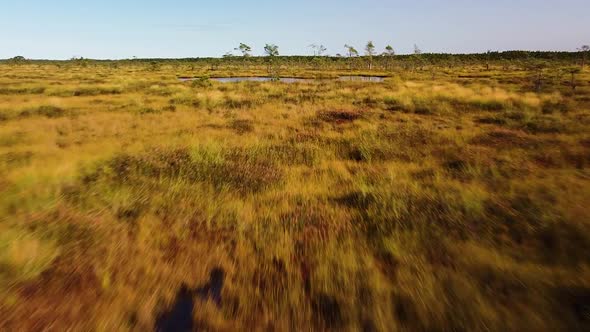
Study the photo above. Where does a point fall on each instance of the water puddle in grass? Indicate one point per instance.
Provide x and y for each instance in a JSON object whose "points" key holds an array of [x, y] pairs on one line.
{"points": [[252, 79], [262, 79], [373, 79], [180, 315]]}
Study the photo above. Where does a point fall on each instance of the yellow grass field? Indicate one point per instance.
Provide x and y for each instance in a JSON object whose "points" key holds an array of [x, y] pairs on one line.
{"points": [[438, 200]]}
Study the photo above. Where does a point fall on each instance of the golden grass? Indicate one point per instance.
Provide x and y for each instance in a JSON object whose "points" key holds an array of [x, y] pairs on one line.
{"points": [[414, 204]]}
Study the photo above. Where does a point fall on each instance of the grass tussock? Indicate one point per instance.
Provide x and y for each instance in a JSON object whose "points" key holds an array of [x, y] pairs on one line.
{"points": [[243, 171], [339, 116]]}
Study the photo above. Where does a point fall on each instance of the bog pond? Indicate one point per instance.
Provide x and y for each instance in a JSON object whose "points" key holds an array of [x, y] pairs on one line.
{"points": [[374, 79]]}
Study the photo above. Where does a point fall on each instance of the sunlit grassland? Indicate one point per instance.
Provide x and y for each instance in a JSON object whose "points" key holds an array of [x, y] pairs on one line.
{"points": [[427, 202]]}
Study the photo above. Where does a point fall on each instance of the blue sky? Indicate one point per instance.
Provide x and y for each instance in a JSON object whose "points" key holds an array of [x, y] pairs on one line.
{"points": [[61, 29]]}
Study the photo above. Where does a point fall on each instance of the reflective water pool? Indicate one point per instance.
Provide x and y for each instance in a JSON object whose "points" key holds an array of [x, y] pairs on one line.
{"points": [[374, 79]]}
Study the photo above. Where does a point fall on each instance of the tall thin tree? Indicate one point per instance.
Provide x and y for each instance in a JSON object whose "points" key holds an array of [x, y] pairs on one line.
{"points": [[389, 51], [584, 49], [244, 49], [352, 52], [370, 52], [272, 51], [318, 49]]}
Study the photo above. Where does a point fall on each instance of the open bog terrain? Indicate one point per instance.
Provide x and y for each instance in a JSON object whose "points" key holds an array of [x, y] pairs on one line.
{"points": [[442, 199]]}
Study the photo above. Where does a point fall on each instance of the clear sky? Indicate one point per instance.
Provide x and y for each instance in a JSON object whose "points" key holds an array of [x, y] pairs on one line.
{"points": [[61, 29]]}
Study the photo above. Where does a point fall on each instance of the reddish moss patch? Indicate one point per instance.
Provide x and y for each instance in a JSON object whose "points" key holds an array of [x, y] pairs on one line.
{"points": [[339, 116]]}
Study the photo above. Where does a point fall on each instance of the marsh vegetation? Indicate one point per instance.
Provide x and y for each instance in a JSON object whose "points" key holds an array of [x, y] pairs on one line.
{"points": [[452, 196]]}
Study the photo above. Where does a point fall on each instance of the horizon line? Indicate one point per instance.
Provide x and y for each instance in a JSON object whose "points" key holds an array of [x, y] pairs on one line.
{"points": [[338, 55]]}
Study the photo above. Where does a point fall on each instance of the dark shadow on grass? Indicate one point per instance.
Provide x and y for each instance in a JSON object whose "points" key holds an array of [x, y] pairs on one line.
{"points": [[180, 316]]}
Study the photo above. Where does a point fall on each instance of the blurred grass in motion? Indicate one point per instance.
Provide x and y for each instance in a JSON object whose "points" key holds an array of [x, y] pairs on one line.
{"points": [[437, 200]]}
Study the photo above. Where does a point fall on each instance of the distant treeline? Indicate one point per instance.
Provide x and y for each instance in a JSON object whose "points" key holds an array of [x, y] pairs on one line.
{"points": [[382, 62]]}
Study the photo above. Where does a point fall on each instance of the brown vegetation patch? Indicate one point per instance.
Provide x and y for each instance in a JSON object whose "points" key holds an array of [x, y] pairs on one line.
{"points": [[69, 286], [242, 126], [310, 221], [242, 170], [585, 142], [16, 159], [63, 293], [506, 139], [339, 116], [46, 110]]}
